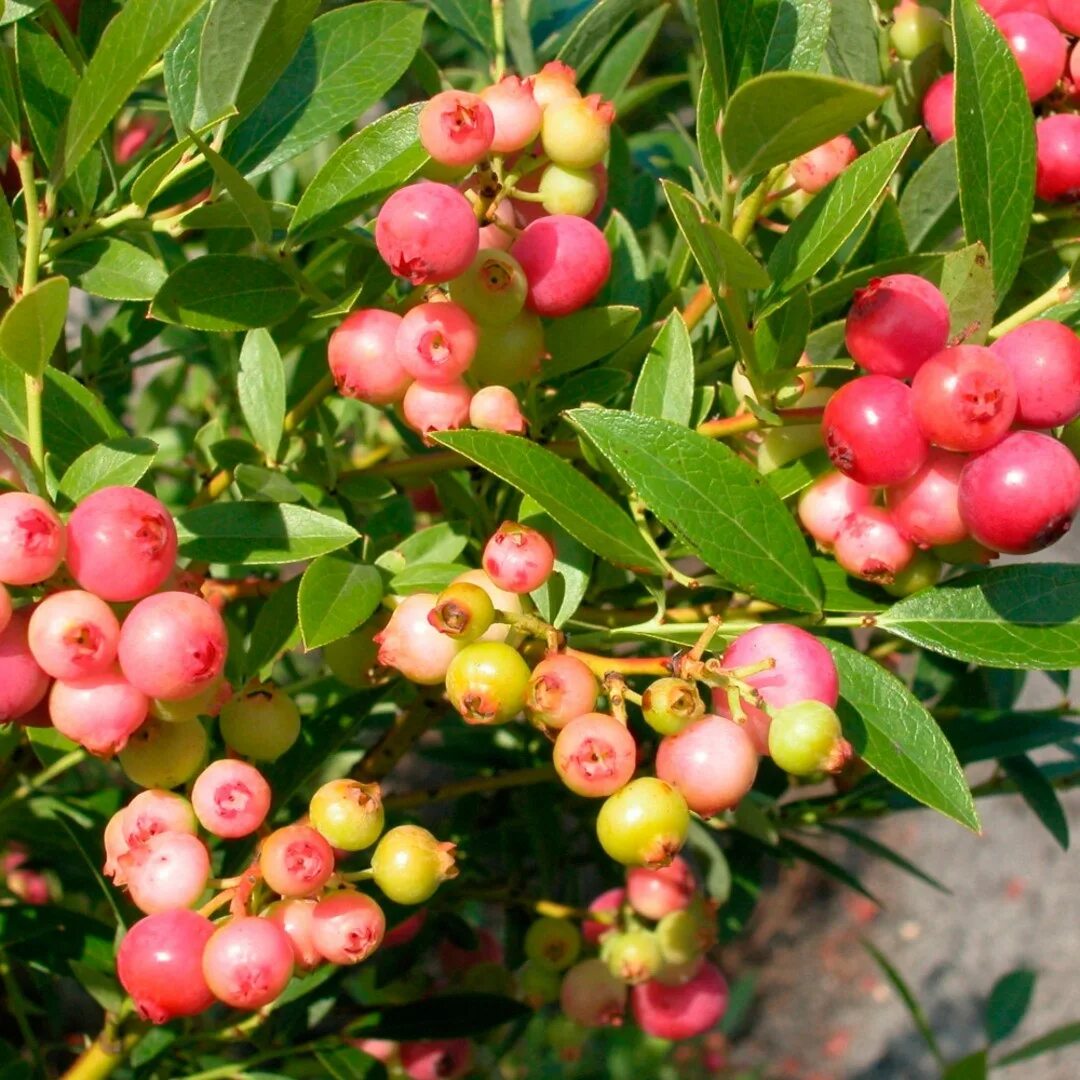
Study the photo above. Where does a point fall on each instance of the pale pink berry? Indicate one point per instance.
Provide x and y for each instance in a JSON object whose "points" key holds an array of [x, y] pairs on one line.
{"points": [[1057, 172], [436, 408], [712, 763], [1039, 48], [32, 539], [827, 501], [591, 996], [347, 927], [518, 558], [566, 262], [926, 508], [516, 113], [436, 1059], [115, 843], [680, 1011], [22, 682], [819, 167], [436, 342], [871, 547], [656, 893], [248, 962], [493, 236], [173, 645], [607, 903], [155, 811], [595, 755], [561, 688], [802, 668], [938, 109], [412, 645], [167, 871], [496, 408], [296, 861], [756, 722], [121, 544], [427, 233], [363, 360], [73, 634], [231, 798], [555, 81], [457, 128], [295, 918], [100, 712], [1044, 358]]}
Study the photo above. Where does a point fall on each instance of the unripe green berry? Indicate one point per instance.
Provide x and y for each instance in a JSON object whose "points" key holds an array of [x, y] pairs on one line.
{"points": [[577, 132], [348, 814], [1070, 436], [670, 704], [487, 682], [205, 703], [633, 957], [509, 354], [565, 1034], [463, 611], [538, 985], [261, 723], [553, 943], [569, 191], [682, 936], [354, 660], [806, 738], [921, 573], [493, 289], [916, 27], [164, 755], [644, 823], [409, 864]]}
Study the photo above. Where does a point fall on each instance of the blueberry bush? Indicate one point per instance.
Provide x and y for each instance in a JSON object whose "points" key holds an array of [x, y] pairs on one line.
{"points": [[486, 483]]}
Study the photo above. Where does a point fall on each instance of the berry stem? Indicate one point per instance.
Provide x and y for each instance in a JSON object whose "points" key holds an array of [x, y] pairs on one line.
{"points": [[623, 665], [358, 875], [407, 727], [1059, 293], [751, 207], [39, 780], [409, 800]]}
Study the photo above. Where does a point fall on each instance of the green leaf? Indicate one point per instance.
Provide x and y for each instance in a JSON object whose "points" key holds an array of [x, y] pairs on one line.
{"points": [[255, 212], [347, 61], [713, 499], [979, 738], [260, 533], [852, 50], [628, 282], [132, 41], [790, 847], [967, 283], [561, 595], [907, 997], [818, 233], [1040, 796], [972, 1067], [586, 336], [260, 386], [276, 629], [471, 17], [382, 156], [930, 202], [458, 1015], [578, 505], [430, 577], [777, 116], [9, 248], [1065, 1035], [721, 70], [867, 842], [348, 1063], [796, 35], [665, 387], [74, 418], [337, 594], [892, 732], [717, 874], [10, 121], [593, 32], [181, 72], [626, 55], [1008, 1004], [780, 337], [112, 268], [122, 461], [995, 142], [1009, 617], [226, 292], [32, 326], [708, 138]]}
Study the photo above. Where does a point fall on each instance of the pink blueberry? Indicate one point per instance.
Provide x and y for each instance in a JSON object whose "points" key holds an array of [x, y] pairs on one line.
{"points": [[496, 408], [436, 342], [712, 762], [166, 871], [1039, 48], [231, 798], [248, 962], [412, 645], [294, 916], [427, 233], [827, 501], [1044, 358], [32, 539], [73, 633], [595, 755], [938, 109], [926, 507], [566, 262], [363, 360], [819, 167], [870, 546], [456, 128], [518, 558], [1057, 174], [347, 927], [516, 114], [656, 893], [22, 682], [444, 407], [682, 1011], [803, 669], [100, 712]]}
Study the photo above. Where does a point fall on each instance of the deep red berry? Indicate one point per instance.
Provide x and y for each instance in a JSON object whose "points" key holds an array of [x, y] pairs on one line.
{"points": [[1057, 174], [248, 962], [566, 262], [1039, 48], [819, 167], [827, 501], [231, 798], [32, 539], [595, 755], [870, 546], [938, 109], [436, 342], [363, 358], [925, 507], [22, 682], [347, 927], [518, 558], [1044, 358], [681, 1012], [712, 763], [427, 232], [803, 668], [456, 128]]}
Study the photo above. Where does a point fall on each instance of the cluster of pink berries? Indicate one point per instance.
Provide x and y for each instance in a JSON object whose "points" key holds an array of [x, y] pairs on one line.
{"points": [[956, 435], [1042, 35], [25, 881], [509, 241]]}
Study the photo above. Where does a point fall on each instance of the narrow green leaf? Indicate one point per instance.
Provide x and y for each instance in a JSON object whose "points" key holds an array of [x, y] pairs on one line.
{"points": [[879, 850], [930, 201], [717, 873], [250, 204], [122, 461], [777, 116], [9, 248], [112, 268], [260, 387], [1008, 1003], [907, 997], [348, 1063], [32, 326], [586, 336], [561, 595], [430, 577], [780, 337], [995, 142], [978, 737], [972, 1067], [628, 282], [708, 138], [1065, 1035], [1040, 796], [276, 629], [665, 387], [892, 732], [796, 35], [74, 418], [14, 10], [626, 55], [719, 72], [10, 121], [577, 504], [181, 72], [594, 31], [713, 499], [790, 847], [336, 596]]}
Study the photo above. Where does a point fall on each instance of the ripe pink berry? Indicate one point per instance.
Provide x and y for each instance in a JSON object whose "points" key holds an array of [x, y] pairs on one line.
{"points": [[347, 927], [456, 128], [518, 558], [938, 109], [553, 82], [683, 1011], [964, 398], [296, 861], [1066, 14], [427, 232], [22, 682], [121, 544], [655, 893], [496, 408], [1057, 174], [231, 798], [712, 762], [100, 712], [1022, 495], [756, 722], [896, 324], [595, 755], [159, 964], [566, 262], [827, 501], [1044, 358], [870, 546], [819, 167], [926, 508], [1073, 84], [167, 871], [436, 342], [870, 431], [153, 812], [436, 408], [32, 539], [1039, 48], [803, 668], [608, 902], [436, 1059], [561, 688], [413, 646], [295, 918], [516, 113], [248, 962], [72, 634], [173, 645], [363, 359], [591, 996]]}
